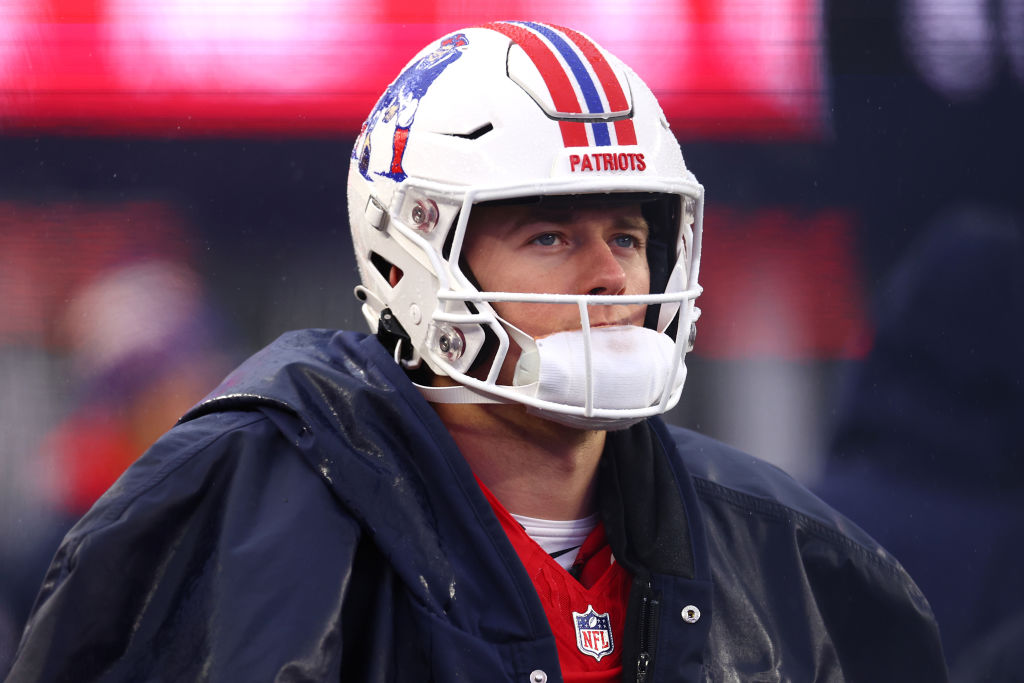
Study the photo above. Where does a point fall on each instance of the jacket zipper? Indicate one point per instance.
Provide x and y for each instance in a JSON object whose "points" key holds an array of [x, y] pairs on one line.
{"points": [[648, 632]]}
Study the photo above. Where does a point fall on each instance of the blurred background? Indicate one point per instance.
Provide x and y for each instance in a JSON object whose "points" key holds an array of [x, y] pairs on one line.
{"points": [[172, 197]]}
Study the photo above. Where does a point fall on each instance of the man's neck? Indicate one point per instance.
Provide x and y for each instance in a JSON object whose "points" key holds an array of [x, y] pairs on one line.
{"points": [[534, 467]]}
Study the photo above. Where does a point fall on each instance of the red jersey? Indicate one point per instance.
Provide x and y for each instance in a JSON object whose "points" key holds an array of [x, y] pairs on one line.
{"points": [[585, 608]]}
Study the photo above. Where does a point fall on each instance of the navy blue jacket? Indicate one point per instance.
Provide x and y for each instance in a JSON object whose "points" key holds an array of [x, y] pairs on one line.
{"points": [[314, 521]]}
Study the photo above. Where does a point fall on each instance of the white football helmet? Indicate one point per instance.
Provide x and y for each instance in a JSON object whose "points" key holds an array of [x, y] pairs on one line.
{"points": [[521, 110]]}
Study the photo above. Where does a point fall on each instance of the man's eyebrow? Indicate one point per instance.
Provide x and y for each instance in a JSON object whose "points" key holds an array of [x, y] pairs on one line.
{"points": [[526, 218], [552, 214], [556, 214], [634, 223]]}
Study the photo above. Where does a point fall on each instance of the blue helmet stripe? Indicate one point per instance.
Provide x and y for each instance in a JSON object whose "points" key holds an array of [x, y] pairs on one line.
{"points": [[587, 86]]}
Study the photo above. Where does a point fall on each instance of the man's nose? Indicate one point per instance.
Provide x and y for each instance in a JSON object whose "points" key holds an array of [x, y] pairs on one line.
{"points": [[601, 271]]}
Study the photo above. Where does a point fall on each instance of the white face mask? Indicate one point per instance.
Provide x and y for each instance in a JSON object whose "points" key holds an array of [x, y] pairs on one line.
{"points": [[634, 372], [630, 367]]}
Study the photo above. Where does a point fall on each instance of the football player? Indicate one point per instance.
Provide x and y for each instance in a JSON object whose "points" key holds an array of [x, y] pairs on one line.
{"points": [[482, 488]]}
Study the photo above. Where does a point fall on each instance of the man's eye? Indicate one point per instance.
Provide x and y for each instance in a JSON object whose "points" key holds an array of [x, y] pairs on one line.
{"points": [[548, 239], [627, 241]]}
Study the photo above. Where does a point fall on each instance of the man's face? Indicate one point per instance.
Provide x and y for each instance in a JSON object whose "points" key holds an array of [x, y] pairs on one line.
{"points": [[558, 248]]}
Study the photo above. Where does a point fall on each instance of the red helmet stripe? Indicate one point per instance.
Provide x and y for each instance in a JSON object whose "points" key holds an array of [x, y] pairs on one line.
{"points": [[625, 132]]}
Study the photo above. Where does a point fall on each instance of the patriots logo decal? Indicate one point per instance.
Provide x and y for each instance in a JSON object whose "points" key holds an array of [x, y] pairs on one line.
{"points": [[593, 633], [397, 106]]}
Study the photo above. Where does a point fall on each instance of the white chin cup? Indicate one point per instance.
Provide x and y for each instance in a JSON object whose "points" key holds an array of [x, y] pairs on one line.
{"points": [[630, 367]]}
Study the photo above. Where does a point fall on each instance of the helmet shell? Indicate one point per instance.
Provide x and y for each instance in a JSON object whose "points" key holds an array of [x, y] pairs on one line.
{"points": [[509, 109]]}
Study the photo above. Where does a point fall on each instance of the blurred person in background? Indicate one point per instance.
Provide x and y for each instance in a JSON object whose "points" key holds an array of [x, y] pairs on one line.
{"points": [[144, 346], [928, 448], [482, 489]]}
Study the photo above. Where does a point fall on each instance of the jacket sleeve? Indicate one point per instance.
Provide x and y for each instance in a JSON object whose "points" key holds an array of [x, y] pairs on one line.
{"points": [[220, 555]]}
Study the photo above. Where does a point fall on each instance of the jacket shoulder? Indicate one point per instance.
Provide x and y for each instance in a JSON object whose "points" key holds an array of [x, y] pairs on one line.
{"points": [[218, 524], [181, 460], [736, 478], [804, 576]]}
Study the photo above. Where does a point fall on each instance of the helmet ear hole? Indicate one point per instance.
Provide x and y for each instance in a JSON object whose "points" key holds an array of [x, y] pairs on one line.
{"points": [[386, 268]]}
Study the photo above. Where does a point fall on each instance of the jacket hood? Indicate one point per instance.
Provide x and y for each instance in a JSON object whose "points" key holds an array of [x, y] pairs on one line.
{"points": [[345, 405]]}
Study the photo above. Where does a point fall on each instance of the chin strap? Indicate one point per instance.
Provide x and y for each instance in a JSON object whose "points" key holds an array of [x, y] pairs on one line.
{"points": [[393, 337], [458, 394]]}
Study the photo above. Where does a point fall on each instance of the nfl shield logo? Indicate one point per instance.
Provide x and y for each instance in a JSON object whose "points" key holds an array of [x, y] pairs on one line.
{"points": [[593, 633]]}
